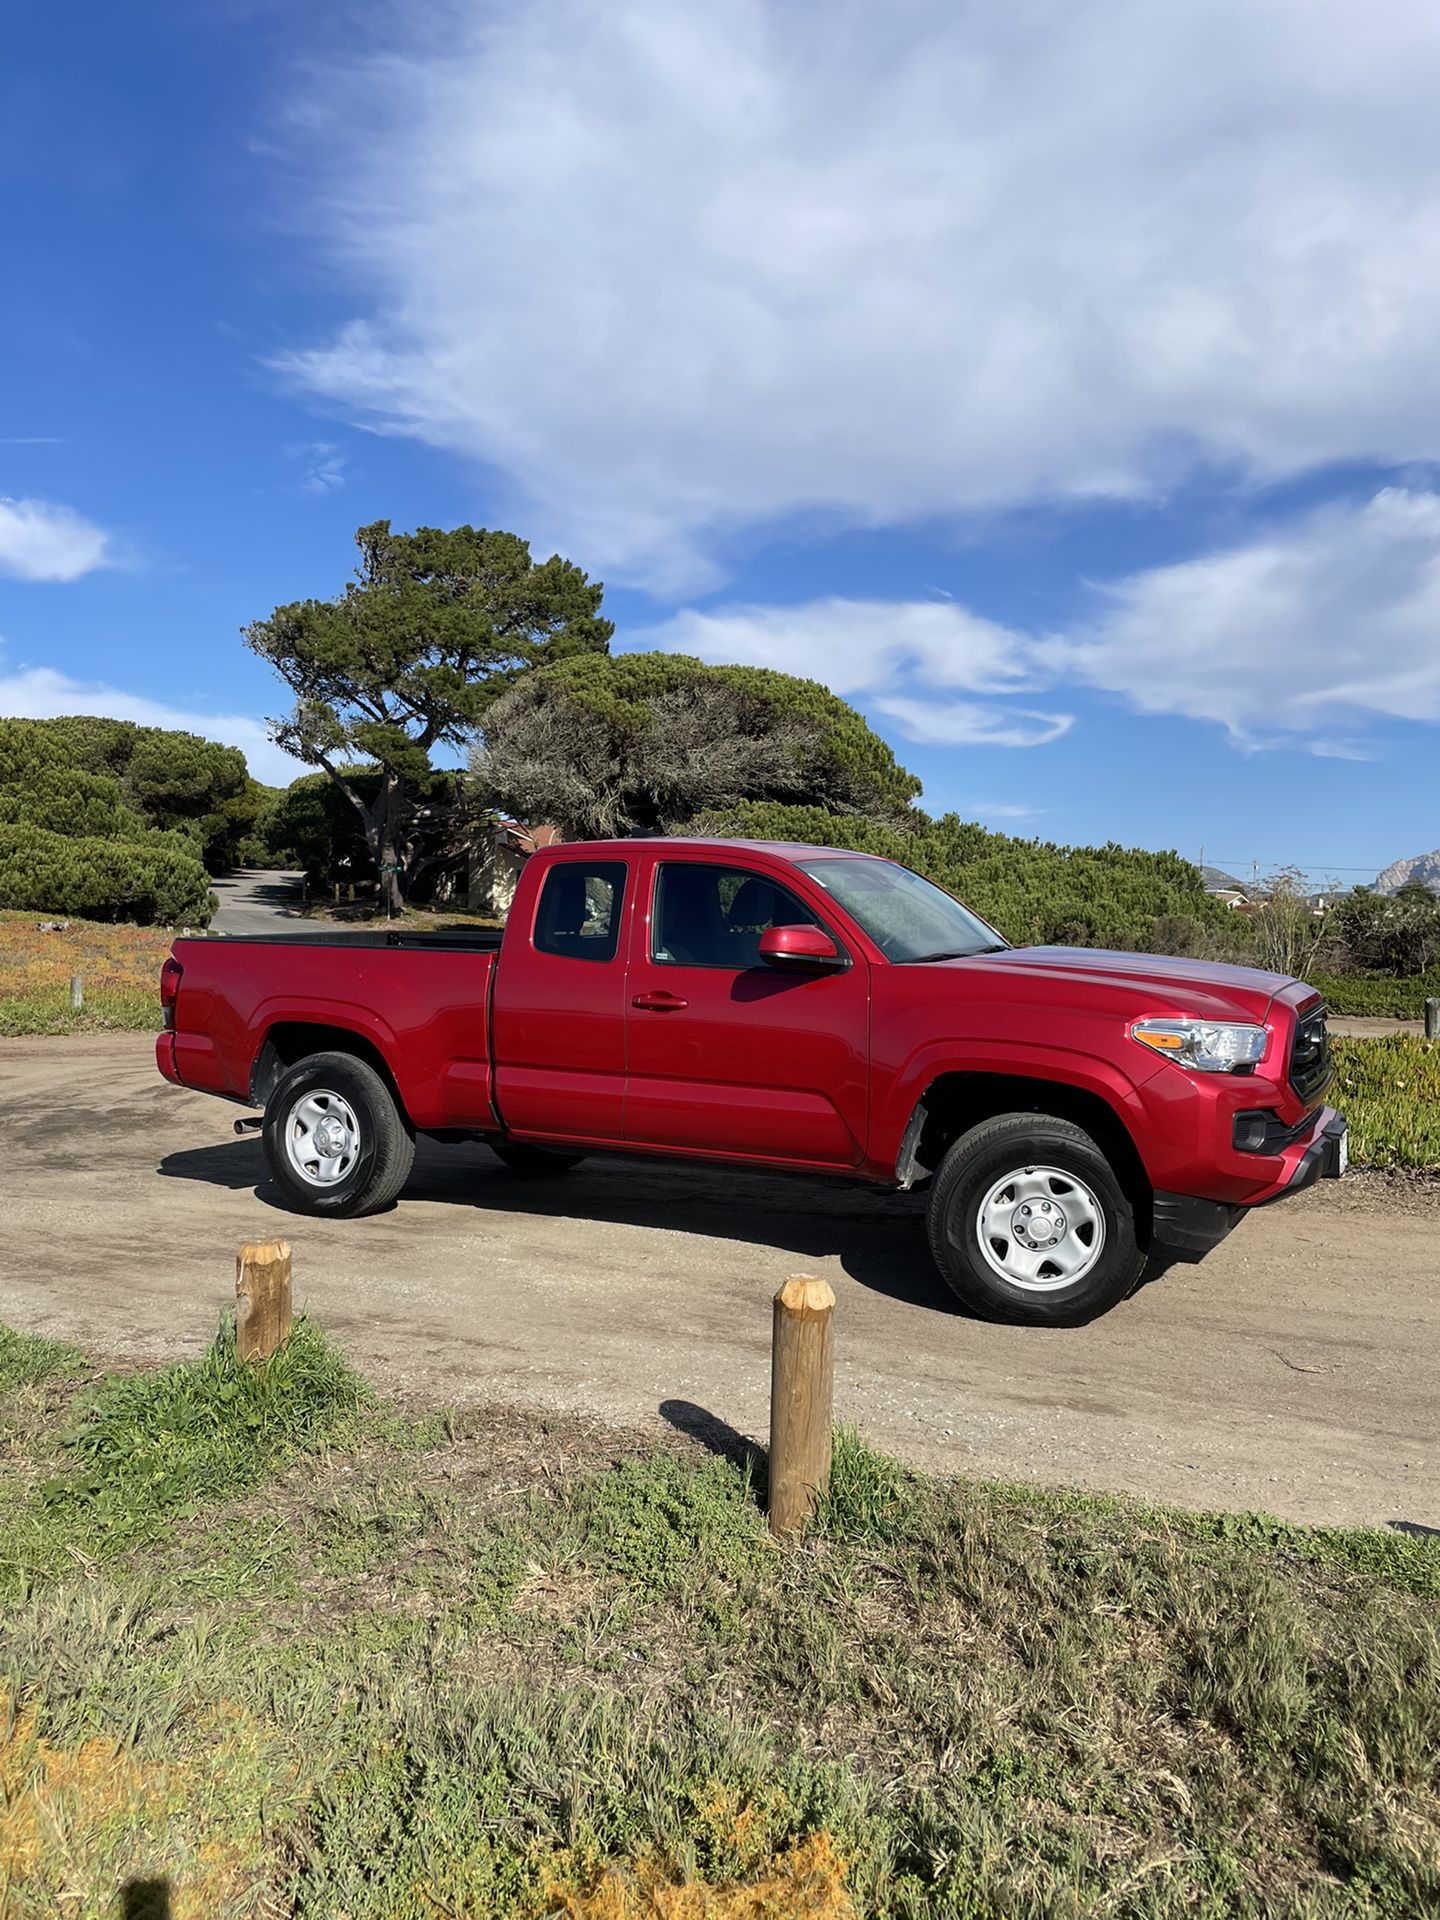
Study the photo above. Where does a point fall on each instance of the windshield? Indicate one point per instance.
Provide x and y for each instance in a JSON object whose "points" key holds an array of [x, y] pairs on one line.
{"points": [[908, 918]]}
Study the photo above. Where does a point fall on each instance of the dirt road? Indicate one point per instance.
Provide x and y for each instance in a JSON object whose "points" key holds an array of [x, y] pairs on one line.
{"points": [[1297, 1370]]}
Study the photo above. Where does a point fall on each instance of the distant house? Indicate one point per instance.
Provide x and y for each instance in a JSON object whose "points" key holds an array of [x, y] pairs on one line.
{"points": [[1226, 888], [496, 861]]}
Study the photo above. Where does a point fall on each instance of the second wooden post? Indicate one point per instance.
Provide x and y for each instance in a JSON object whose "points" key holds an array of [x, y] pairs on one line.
{"points": [[262, 1299], [802, 1400]]}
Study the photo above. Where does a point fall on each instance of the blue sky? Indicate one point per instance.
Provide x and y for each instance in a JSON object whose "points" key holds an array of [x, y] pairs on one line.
{"points": [[1057, 383]]}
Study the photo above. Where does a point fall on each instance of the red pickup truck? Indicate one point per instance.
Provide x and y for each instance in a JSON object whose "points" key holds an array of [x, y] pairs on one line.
{"points": [[1073, 1113]]}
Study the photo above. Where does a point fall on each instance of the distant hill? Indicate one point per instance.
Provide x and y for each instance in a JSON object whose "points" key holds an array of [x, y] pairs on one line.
{"points": [[1424, 867]]}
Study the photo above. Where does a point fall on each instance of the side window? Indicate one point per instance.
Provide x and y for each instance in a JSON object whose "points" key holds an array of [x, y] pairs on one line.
{"points": [[579, 912], [711, 916]]}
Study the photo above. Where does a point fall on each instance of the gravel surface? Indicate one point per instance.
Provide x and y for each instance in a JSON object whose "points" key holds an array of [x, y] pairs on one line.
{"points": [[1296, 1370]]}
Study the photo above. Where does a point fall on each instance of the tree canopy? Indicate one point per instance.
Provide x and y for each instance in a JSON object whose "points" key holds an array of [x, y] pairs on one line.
{"points": [[70, 842], [432, 628], [169, 781], [641, 742], [1033, 891]]}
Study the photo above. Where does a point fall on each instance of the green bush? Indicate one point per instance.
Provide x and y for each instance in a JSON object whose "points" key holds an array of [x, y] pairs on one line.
{"points": [[1377, 996], [1035, 892], [1378, 934], [103, 879], [83, 774]]}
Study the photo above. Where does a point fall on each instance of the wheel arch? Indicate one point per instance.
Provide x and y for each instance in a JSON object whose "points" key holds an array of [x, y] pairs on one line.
{"points": [[954, 1102], [288, 1042]]}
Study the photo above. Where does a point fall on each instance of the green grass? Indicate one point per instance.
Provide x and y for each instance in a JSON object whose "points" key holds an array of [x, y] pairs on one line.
{"points": [[1389, 1091], [136, 1450], [26, 1359], [340, 1660]]}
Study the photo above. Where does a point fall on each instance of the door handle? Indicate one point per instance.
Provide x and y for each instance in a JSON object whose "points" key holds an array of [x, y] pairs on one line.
{"points": [[659, 1002]]}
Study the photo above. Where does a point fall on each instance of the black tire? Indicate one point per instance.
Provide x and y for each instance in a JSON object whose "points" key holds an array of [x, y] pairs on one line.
{"points": [[384, 1146], [1033, 1147], [531, 1162]]}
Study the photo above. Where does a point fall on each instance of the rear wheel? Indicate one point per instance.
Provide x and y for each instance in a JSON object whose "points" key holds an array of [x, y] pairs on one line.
{"points": [[1029, 1223], [335, 1140], [531, 1162]]}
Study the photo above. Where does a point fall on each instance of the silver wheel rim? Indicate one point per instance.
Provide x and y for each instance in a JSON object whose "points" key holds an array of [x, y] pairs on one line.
{"points": [[1040, 1229], [322, 1138]]}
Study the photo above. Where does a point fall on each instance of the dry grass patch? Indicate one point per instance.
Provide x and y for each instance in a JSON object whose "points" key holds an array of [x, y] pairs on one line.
{"points": [[82, 1821], [120, 966], [806, 1882]]}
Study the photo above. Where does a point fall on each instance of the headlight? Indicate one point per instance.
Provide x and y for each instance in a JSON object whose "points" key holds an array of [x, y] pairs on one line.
{"points": [[1209, 1046]]}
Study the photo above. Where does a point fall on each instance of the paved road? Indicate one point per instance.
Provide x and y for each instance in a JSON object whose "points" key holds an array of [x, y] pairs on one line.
{"points": [[256, 900], [1370, 1026], [1297, 1370]]}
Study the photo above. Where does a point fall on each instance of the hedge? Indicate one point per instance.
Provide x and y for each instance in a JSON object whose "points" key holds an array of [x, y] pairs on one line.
{"points": [[102, 879], [1034, 891], [1377, 996]]}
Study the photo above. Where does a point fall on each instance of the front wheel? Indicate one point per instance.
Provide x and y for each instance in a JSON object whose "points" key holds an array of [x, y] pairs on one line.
{"points": [[1028, 1223], [335, 1139]]}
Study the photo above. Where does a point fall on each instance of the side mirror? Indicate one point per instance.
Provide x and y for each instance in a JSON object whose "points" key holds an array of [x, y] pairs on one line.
{"points": [[799, 947]]}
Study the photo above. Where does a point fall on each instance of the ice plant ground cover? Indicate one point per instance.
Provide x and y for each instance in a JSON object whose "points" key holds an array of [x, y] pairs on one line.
{"points": [[276, 1644], [1389, 1090], [119, 965]]}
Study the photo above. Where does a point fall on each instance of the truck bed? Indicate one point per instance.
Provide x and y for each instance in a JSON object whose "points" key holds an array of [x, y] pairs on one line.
{"points": [[420, 1001], [460, 940]]}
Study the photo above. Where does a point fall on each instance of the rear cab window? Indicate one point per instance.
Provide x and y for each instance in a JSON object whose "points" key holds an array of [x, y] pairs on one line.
{"points": [[578, 915]]}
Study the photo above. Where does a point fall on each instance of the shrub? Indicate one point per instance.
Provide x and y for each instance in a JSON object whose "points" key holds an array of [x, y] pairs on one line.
{"points": [[1376, 934], [1377, 996], [1034, 891], [103, 879]]}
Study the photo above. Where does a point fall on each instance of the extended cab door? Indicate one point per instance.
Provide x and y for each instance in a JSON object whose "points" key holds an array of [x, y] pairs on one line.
{"points": [[728, 1055], [558, 1010]]}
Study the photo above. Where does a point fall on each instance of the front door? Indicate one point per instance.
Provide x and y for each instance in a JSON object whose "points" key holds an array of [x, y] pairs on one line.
{"points": [[728, 1055], [558, 1014]]}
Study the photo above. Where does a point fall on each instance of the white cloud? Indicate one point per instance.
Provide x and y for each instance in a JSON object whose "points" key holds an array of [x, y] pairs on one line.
{"points": [[965, 723], [1334, 618], [902, 653], [673, 271], [1302, 636], [1340, 750], [39, 541], [851, 644], [995, 810], [322, 465], [40, 693]]}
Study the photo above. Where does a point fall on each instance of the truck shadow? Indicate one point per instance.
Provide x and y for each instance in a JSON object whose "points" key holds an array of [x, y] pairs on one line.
{"points": [[878, 1236]]}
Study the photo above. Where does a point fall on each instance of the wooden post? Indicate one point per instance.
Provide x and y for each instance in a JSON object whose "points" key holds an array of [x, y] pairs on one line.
{"points": [[77, 993], [802, 1400], [1432, 1018], [262, 1299]]}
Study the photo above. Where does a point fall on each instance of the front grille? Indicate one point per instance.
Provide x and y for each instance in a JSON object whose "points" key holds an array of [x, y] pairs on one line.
{"points": [[1310, 1070]]}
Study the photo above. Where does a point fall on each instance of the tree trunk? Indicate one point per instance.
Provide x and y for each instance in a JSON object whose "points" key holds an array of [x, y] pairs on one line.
{"points": [[389, 860], [381, 823]]}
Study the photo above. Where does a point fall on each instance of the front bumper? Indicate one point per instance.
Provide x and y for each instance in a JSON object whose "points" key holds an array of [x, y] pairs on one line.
{"points": [[1186, 1229]]}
